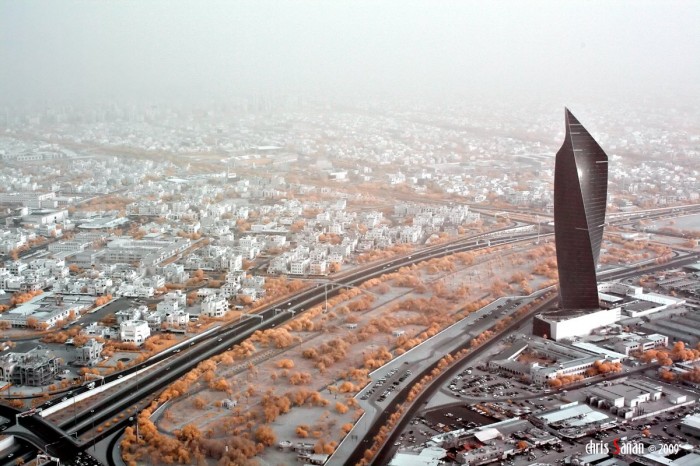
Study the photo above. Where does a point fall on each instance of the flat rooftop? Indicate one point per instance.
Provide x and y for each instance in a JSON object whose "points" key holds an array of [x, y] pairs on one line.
{"points": [[566, 314], [577, 415], [639, 306]]}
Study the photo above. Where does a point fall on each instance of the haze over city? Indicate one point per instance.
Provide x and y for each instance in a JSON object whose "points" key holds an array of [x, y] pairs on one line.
{"points": [[177, 51], [349, 233]]}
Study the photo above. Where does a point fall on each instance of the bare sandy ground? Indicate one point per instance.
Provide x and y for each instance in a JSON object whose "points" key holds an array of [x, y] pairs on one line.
{"points": [[444, 291], [300, 380]]}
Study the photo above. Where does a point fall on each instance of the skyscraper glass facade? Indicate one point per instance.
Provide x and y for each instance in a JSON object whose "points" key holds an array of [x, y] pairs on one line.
{"points": [[580, 197]]}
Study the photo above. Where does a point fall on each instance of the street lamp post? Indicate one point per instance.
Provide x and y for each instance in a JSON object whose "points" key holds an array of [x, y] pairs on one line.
{"points": [[131, 419], [92, 414]]}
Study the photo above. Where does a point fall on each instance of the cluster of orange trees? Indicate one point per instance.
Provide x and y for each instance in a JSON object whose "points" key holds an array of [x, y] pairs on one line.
{"points": [[565, 380], [383, 254], [280, 286], [666, 356], [106, 203], [547, 268], [321, 445], [331, 238], [197, 277], [22, 297], [62, 336], [691, 376], [189, 445], [327, 354], [603, 367], [278, 337], [102, 300], [192, 236], [39, 240], [33, 323]]}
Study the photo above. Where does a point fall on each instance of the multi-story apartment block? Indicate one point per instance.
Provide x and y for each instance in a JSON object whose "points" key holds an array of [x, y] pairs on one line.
{"points": [[134, 331], [214, 306], [89, 354]]}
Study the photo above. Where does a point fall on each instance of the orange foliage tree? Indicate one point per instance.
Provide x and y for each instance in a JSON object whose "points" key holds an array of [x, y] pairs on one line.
{"points": [[21, 298], [265, 435]]}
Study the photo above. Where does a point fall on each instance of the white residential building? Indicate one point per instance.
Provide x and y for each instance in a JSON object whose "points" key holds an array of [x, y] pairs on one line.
{"points": [[173, 273], [156, 281], [172, 302], [178, 319], [134, 331], [135, 291], [235, 262], [318, 267], [249, 292], [299, 266], [248, 242], [132, 313], [410, 235], [254, 281], [214, 306], [280, 264], [191, 228]]}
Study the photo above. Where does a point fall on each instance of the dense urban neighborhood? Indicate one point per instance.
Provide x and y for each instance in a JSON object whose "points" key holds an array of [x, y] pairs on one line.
{"points": [[359, 233], [119, 251]]}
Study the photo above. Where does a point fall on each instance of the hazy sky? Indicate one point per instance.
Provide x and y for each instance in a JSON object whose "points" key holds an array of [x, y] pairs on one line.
{"points": [[173, 49]]}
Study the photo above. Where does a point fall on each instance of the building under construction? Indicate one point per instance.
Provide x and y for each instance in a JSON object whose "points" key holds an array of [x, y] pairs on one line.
{"points": [[35, 368]]}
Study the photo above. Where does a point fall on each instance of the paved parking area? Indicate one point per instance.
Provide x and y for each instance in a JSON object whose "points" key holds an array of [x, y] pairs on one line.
{"points": [[476, 397]]}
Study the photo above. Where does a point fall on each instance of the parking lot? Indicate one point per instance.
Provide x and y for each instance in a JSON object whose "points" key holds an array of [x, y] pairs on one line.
{"points": [[477, 383], [476, 396], [663, 429], [387, 384]]}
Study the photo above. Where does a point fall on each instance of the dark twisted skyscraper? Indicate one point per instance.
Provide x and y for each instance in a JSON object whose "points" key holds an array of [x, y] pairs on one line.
{"points": [[580, 196]]}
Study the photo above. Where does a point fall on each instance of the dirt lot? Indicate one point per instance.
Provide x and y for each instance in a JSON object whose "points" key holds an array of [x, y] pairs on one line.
{"points": [[300, 379]]}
